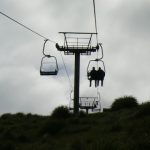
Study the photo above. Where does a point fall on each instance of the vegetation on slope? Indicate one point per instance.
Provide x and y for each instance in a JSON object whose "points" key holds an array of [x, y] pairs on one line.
{"points": [[122, 129]]}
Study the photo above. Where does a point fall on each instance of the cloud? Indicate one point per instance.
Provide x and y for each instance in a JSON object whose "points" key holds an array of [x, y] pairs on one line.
{"points": [[126, 47], [133, 17], [23, 90]]}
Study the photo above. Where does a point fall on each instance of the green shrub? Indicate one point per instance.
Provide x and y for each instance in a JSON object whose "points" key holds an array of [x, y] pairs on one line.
{"points": [[124, 102], [61, 112], [144, 110]]}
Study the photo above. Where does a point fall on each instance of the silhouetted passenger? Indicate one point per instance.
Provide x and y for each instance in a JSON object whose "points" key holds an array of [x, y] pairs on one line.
{"points": [[100, 76], [92, 75]]}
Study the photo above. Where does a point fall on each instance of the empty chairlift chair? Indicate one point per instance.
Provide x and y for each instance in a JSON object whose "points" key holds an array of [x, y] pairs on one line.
{"points": [[90, 103], [49, 65]]}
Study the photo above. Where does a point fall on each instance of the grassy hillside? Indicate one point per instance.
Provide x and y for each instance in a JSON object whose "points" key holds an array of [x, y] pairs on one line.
{"points": [[125, 129]]}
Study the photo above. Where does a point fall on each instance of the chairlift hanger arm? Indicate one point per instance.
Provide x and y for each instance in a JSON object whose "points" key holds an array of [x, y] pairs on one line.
{"points": [[100, 44], [45, 41]]}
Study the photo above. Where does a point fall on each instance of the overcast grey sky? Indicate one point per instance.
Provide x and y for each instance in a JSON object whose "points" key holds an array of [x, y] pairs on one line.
{"points": [[124, 30]]}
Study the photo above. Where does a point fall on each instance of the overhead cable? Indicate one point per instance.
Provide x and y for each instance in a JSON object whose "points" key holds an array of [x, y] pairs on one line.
{"points": [[66, 71], [95, 20], [33, 31], [40, 35]]}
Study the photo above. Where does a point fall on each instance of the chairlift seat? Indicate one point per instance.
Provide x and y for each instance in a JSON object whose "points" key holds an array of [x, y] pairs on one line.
{"points": [[49, 66], [46, 73], [88, 102]]}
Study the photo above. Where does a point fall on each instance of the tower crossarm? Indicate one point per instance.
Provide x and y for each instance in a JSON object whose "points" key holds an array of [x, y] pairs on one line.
{"points": [[77, 42]]}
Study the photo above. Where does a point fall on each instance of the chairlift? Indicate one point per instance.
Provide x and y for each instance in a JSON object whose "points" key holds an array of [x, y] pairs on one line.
{"points": [[93, 68], [86, 103], [90, 103], [96, 63], [49, 65], [96, 74]]}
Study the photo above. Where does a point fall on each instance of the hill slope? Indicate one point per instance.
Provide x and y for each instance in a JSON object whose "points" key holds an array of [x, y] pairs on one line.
{"points": [[114, 130]]}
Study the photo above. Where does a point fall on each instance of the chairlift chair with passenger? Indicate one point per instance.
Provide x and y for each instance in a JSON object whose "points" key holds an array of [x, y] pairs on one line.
{"points": [[96, 63], [96, 68]]}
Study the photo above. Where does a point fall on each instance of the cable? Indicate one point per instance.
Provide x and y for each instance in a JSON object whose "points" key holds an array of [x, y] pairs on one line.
{"points": [[95, 20], [66, 72], [26, 27], [95, 26]]}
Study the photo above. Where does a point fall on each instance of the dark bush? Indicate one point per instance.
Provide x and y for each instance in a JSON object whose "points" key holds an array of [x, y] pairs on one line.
{"points": [[82, 114], [29, 115], [124, 102], [7, 146], [8, 135], [78, 145], [23, 138], [61, 112], [19, 115], [144, 110], [6, 116], [53, 126]]}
